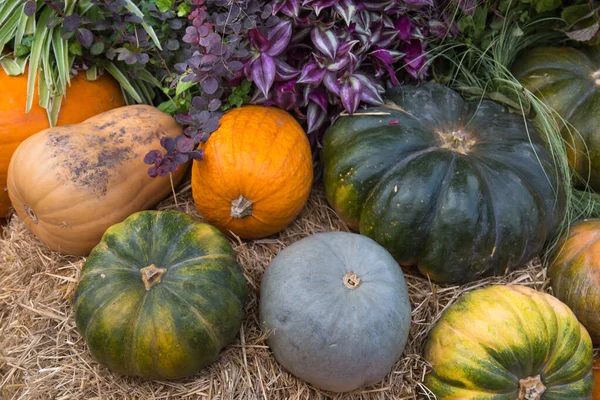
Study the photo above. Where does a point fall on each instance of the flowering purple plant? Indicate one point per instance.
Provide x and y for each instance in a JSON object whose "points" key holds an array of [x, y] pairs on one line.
{"points": [[314, 58]]}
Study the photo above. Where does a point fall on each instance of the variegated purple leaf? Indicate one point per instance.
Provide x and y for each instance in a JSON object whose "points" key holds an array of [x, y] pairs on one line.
{"points": [[414, 59], [258, 40], [325, 41], [340, 63], [320, 5], [331, 83], [346, 47], [371, 92], [263, 73], [419, 3], [383, 60], [312, 74], [285, 95], [350, 91], [279, 37], [291, 8], [403, 26], [285, 72], [346, 9], [318, 95], [315, 117]]}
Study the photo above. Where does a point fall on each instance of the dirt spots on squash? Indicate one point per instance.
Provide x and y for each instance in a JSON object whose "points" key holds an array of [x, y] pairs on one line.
{"points": [[88, 161]]}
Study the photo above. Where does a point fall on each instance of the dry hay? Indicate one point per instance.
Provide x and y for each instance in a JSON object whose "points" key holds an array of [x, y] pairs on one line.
{"points": [[42, 356]]}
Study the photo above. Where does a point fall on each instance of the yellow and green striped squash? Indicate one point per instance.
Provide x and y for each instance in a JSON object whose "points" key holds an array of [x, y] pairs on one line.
{"points": [[508, 343], [160, 296]]}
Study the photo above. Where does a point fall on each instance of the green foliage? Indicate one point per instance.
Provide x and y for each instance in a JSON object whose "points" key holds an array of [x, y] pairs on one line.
{"points": [[239, 96]]}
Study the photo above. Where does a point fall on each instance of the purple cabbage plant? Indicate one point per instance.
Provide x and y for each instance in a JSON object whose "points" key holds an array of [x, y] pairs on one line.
{"points": [[314, 58]]}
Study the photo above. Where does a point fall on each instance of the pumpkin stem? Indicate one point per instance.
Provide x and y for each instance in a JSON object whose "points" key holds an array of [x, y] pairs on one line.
{"points": [[596, 77], [351, 280], [241, 207], [531, 388], [457, 141], [152, 275]]}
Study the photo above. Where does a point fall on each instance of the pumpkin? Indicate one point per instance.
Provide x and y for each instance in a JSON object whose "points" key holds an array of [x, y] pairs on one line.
{"points": [[596, 370], [336, 311], [567, 80], [460, 189], [509, 342], [574, 272], [256, 173], [70, 183], [83, 100], [159, 296]]}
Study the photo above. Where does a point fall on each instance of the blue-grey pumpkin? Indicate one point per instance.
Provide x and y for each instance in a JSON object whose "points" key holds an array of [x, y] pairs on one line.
{"points": [[336, 311]]}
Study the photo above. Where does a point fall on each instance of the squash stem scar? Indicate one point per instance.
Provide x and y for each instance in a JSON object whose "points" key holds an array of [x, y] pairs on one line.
{"points": [[152, 275], [531, 388], [241, 207], [596, 77], [31, 213], [351, 280]]}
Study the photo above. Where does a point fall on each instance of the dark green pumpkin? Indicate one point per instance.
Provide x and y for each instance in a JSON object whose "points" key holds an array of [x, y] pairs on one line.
{"points": [[460, 189], [568, 80], [160, 296]]}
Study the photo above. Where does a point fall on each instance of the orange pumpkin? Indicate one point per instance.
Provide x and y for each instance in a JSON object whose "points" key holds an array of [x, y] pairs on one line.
{"points": [[256, 173], [70, 183], [596, 370], [83, 100]]}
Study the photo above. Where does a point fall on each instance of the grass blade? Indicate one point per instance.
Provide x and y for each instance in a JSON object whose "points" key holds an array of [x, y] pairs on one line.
{"points": [[37, 47], [13, 67], [8, 29], [61, 55], [123, 81], [92, 73], [135, 10]]}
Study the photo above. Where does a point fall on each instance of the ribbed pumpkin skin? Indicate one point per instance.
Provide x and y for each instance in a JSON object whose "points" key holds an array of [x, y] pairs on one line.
{"points": [[262, 154], [480, 209], [574, 273], [335, 337], [568, 80], [84, 100], [492, 338], [180, 324], [70, 183]]}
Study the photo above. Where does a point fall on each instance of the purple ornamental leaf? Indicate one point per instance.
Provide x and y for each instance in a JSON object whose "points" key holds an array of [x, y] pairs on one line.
{"points": [[403, 26], [371, 92], [181, 158], [346, 9], [258, 40], [414, 59], [285, 72], [291, 8], [168, 143], [85, 37], [284, 95], [312, 74], [419, 3], [383, 60], [184, 143], [320, 5], [263, 73], [153, 157], [214, 105], [70, 23], [210, 85], [196, 154], [30, 7], [325, 41], [319, 96], [331, 83], [350, 94], [315, 117], [279, 37]]}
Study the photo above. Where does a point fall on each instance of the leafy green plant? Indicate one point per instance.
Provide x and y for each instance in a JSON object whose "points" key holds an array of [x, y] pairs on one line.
{"points": [[134, 41]]}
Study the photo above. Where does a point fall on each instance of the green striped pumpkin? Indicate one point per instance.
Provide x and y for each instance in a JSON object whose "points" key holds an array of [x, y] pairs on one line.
{"points": [[568, 80], [160, 296], [508, 343]]}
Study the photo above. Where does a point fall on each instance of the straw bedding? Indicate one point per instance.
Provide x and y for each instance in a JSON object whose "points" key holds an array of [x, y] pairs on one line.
{"points": [[42, 356]]}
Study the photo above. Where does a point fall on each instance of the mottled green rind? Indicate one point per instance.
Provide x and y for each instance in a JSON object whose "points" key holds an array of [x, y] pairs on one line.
{"points": [[458, 217], [491, 338], [562, 77], [178, 326]]}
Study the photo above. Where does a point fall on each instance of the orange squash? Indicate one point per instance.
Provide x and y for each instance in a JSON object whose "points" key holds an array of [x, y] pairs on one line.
{"points": [[596, 370], [83, 100], [256, 173], [70, 183]]}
